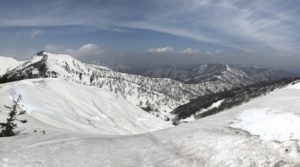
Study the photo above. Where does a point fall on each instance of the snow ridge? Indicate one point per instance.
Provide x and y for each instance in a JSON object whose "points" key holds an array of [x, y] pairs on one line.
{"points": [[156, 95], [59, 103], [161, 95]]}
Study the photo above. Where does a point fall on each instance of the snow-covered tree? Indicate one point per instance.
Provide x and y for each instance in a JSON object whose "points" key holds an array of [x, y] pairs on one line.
{"points": [[7, 128]]}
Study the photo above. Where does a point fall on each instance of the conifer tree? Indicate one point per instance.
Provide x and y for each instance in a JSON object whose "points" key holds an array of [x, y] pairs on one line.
{"points": [[7, 128]]}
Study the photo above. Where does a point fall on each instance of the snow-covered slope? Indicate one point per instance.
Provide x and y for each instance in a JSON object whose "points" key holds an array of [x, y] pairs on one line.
{"points": [[161, 95], [277, 118], [252, 134], [7, 63], [78, 108]]}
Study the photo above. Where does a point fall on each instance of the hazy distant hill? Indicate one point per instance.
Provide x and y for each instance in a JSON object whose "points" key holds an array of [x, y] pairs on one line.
{"points": [[194, 74]]}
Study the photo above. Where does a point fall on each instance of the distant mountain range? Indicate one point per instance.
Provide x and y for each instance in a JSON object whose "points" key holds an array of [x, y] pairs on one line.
{"points": [[194, 74], [156, 90]]}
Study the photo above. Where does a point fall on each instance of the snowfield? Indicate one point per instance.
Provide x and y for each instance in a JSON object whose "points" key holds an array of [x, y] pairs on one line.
{"points": [[263, 132], [80, 109], [269, 124]]}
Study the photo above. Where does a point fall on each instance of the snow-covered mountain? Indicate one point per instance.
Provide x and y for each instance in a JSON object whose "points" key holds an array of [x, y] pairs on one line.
{"points": [[7, 63], [160, 95], [263, 133], [194, 74], [78, 108], [258, 74]]}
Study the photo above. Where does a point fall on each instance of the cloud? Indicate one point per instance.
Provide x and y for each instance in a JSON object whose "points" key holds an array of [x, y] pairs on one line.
{"points": [[189, 51], [219, 51], [89, 49], [166, 49], [85, 50], [54, 48], [28, 33], [263, 26], [35, 33], [208, 52], [214, 52]]}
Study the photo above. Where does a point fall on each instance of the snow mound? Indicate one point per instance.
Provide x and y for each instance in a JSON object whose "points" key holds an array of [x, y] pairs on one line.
{"points": [[82, 109], [295, 86], [269, 124]]}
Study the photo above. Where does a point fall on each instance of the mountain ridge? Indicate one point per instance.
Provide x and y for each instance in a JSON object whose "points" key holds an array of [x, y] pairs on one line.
{"points": [[156, 95], [59, 104], [197, 73]]}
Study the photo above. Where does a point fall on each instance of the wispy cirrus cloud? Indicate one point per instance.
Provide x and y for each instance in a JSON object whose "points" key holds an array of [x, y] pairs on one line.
{"points": [[244, 25], [240, 27], [237, 24]]}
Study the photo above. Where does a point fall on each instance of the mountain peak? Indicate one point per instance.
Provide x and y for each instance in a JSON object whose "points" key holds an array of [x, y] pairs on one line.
{"points": [[54, 55], [41, 53]]}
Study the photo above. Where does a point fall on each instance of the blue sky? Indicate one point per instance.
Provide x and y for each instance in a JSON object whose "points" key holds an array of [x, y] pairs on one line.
{"points": [[145, 32]]}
